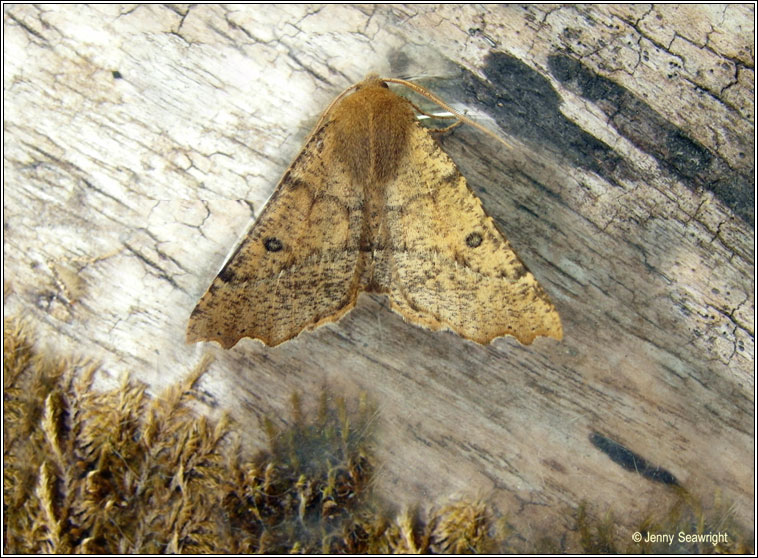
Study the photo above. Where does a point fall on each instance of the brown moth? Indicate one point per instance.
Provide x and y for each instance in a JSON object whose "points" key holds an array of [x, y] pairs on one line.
{"points": [[373, 204]]}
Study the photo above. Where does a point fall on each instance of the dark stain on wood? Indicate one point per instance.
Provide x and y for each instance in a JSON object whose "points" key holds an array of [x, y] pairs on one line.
{"points": [[631, 461], [674, 150]]}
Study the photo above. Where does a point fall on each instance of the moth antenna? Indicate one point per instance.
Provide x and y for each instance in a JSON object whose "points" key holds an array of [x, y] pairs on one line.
{"points": [[435, 116], [431, 96], [447, 128]]}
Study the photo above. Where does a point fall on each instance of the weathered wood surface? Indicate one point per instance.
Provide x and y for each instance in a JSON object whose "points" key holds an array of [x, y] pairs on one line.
{"points": [[132, 132]]}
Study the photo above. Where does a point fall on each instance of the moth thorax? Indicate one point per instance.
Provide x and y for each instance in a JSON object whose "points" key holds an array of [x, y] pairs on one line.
{"points": [[369, 133]]}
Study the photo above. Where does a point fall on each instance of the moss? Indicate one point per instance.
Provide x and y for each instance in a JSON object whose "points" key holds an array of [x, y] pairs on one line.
{"points": [[119, 471]]}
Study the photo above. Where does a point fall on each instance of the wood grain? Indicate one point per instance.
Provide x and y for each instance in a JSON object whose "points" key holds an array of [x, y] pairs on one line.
{"points": [[132, 135]]}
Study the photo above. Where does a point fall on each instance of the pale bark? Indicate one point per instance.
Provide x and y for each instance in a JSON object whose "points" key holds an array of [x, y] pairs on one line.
{"points": [[132, 132]]}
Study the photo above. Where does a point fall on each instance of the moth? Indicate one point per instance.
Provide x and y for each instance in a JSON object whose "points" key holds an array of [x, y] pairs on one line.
{"points": [[373, 204]]}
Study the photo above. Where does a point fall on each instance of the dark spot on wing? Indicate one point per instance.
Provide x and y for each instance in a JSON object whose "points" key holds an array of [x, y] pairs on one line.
{"points": [[227, 274], [473, 240], [272, 244]]}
